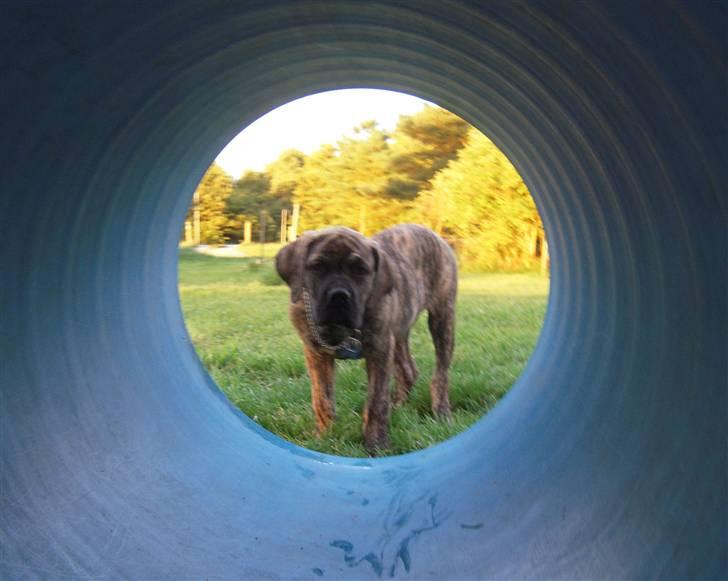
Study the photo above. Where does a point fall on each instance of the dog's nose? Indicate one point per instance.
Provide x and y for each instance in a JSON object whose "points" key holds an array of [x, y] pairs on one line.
{"points": [[338, 297]]}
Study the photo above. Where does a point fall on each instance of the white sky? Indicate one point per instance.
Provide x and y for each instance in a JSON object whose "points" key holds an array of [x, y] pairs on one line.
{"points": [[308, 123]]}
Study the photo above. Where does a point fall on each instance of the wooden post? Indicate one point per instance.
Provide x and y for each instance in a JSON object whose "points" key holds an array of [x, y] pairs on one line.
{"points": [[188, 231], [294, 222], [247, 232], [263, 216], [284, 225], [545, 260], [532, 243]]}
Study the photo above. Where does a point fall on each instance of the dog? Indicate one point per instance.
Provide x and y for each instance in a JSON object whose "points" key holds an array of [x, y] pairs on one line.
{"points": [[354, 297]]}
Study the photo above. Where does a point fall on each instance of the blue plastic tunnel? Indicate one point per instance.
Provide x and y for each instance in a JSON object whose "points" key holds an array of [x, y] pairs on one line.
{"points": [[120, 456]]}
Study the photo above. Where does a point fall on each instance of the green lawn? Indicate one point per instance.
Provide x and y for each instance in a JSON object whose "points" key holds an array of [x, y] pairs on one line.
{"points": [[236, 312]]}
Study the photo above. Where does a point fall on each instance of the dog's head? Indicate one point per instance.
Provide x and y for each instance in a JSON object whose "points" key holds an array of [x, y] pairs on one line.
{"points": [[343, 273]]}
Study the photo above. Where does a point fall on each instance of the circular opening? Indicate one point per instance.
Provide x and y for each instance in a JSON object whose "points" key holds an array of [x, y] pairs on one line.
{"points": [[367, 160]]}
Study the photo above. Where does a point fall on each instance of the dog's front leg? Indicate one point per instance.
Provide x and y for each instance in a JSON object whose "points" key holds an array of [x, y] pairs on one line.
{"points": [[321, 371], [376, 413]]}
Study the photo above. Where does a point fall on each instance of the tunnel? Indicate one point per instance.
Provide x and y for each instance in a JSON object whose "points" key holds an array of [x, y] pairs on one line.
{"points": [[121, 458]]}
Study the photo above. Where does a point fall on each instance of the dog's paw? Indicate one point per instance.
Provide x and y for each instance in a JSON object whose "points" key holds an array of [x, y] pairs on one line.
{"points": [[324, 422], [443, 415], [376, 439], [376, 447]]}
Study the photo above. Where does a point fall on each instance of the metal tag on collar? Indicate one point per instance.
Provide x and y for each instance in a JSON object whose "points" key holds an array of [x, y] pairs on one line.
{"points": [[351, 348]]}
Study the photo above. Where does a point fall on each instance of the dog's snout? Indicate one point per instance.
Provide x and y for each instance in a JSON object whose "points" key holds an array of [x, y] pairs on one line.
{"points": [[338, 296]]}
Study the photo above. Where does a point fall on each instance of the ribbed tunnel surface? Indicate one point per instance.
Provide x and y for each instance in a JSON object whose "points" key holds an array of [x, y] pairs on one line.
{"points": [[121, 458]]}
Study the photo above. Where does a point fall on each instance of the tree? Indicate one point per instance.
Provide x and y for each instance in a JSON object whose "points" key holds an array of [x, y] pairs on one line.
{"points": [[368, 181], [480, 201], [250, 197], [422, 145], [316, 188], [346, 185], [434, 169], [250, 194], [284, 174], [211, 193]]}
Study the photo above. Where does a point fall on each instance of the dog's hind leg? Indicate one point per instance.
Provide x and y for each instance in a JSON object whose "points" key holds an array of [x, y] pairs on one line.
{"points": [[321, 371], [405, 371], [441, 321]]}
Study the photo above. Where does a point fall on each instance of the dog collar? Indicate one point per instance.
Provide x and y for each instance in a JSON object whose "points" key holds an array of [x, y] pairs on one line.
{"points": [[349, 348]]}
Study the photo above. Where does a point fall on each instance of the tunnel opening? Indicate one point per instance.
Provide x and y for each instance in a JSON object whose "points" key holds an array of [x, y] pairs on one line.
{"points": [[381, 158]]}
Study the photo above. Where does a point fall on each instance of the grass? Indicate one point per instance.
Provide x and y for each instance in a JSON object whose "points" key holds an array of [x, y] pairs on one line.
{"points": [[237, 315]]}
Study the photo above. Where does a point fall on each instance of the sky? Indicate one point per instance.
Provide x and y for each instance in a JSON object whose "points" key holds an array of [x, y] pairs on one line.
{"points": [[310, 122]]}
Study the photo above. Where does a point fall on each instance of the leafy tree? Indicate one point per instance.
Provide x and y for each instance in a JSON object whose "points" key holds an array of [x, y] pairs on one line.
{"points": [[269, 192], [211, 193], [244, 203], [422, 145], [480, 201], [346, 184], [250, 195], [284, 174], [433, 168], [316, 189]]}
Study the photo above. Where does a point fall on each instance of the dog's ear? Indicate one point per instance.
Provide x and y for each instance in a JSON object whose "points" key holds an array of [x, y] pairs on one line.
{"points": [[383, 276], [289, 264]]}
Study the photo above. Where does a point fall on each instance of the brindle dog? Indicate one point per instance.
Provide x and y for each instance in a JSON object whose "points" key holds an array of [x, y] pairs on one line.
{"points": [[355, 297]]}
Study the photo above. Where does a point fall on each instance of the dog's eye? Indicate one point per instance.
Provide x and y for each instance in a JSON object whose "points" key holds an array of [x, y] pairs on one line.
{"points": [[358, 268], [317, 266]]}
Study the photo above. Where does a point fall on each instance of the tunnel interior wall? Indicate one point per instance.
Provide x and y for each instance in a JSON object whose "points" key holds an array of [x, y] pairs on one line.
{"points": [[121, 458]]}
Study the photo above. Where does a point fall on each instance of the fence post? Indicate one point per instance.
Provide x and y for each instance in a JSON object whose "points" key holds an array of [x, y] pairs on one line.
{"points": [[284, 225], [263, 216], [545, 260], [294, 222]]}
